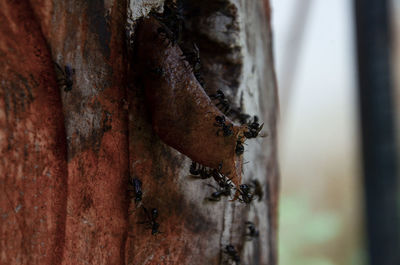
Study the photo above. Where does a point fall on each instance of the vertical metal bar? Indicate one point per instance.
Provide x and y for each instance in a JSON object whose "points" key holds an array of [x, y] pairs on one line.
{"points": [[378, 131]]}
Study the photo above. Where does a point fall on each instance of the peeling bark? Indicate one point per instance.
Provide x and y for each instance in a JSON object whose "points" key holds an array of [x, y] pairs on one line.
{"points": [[183, 116]]}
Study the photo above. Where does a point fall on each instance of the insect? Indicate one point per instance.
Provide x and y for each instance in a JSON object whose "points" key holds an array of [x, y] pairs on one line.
{"points": [[64, 77], [226, 129], [225, 188], [107, 121], [137, 188], [192, 56], [216, 196], [223, 102], [233, 254], [258, 190], [239, 148], [199, 170], [237, 113], [173, 19], [200, 78], [151, 220], [253, 128], [245, 194], [253, 232], [166, 35]]}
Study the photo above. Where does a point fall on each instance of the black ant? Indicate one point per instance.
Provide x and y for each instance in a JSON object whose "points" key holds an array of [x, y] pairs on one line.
{"points": [[223, 102], [216, 196], [258, 190], [199, 170], [192, 57], [237, 113], [245, 193], [151, 220], [137, 188], [225, 189], [64, 77], [107, 121], [254, 128], [172, 18], [239, 150], [166, 35], [233, 254], [253, 232], [226, 129], [217, 175]]}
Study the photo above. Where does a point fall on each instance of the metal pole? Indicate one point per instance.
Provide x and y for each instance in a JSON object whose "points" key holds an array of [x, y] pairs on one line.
{"points": [[378, 131]]}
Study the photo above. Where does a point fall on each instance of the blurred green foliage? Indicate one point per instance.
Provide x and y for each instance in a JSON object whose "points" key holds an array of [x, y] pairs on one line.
{"points": [[306, 235]]}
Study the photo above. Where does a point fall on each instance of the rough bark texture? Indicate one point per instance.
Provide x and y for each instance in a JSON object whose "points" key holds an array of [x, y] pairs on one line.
{"points": [[32, 144], [67, 155]]}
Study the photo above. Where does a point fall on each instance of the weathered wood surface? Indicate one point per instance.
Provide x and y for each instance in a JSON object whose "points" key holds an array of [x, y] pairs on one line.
{"points": [[66, 156]]}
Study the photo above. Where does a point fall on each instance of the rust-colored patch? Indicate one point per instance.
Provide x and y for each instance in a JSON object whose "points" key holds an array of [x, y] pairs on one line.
{"points": [[33, 176], [267, 8]]}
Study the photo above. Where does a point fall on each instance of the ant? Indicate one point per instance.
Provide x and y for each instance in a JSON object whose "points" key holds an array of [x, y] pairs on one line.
{"points": [[258, 190], [166, 35], [226, 129], [239, 150], [253, 232], [225, 188], [254, 128], [172, 18], [199, 170], [200, 78], [223, 102], [107, 121], [245, 193], [137, 188], [216, 196], [64, 77], [217, 175], [233, 254], [193, 57], [237, 113], [151, 220]]}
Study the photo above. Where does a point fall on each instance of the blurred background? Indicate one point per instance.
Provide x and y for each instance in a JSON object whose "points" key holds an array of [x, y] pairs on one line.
{"points": [[321, 203]]}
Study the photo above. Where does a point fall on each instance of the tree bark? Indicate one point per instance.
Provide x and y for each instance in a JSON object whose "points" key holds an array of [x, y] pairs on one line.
{"points": [[68, 151]]}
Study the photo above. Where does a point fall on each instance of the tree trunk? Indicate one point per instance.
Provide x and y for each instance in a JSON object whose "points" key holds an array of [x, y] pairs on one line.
{"points": [[75, 126]]}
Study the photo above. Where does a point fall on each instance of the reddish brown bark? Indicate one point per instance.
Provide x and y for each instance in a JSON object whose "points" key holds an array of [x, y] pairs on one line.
{"points": [[33, 179], [96, 221], [94, 211]]}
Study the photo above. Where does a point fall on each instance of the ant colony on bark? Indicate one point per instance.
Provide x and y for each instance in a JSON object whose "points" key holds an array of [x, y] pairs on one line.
{"points": [[198, 125]]}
